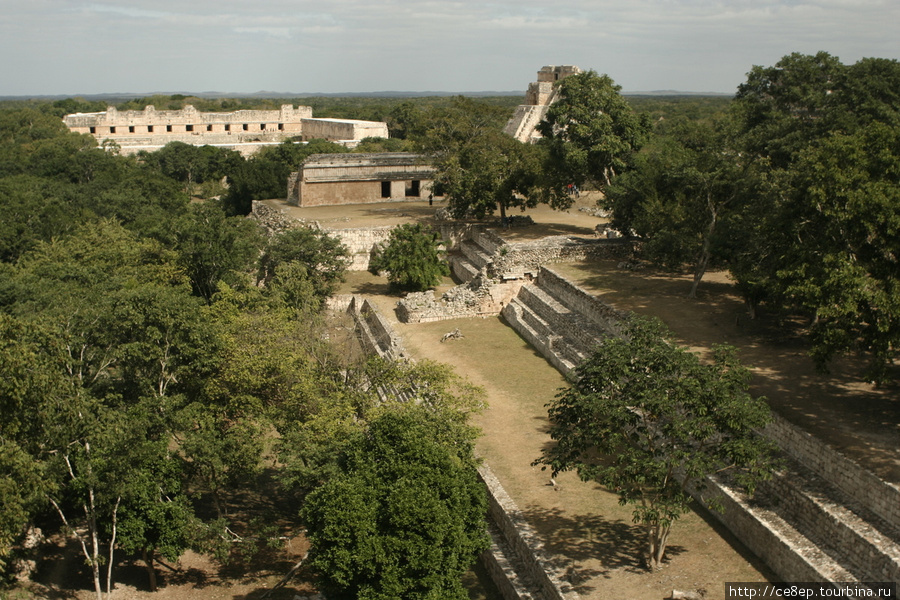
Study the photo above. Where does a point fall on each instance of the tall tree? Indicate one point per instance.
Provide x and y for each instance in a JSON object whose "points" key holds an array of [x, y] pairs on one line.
{"points": [[647, 420], [323, 256], [591, 131], [111, 330], [405, 515], [685, 185], [827, 211], [492, 173], [215, 248]]}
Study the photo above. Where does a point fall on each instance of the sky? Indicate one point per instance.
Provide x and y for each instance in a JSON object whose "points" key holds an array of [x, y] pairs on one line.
{"points": [[79, 47]]}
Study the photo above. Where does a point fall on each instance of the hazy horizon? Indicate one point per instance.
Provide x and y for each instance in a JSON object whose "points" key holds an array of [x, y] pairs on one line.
{"points": [[83, 47]]}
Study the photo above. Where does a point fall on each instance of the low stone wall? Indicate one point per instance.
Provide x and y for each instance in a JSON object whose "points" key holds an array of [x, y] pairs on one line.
{"points": [[501, 570], [875, 494], [377, 335], [360, 242], [524, 540], [517, 259]]}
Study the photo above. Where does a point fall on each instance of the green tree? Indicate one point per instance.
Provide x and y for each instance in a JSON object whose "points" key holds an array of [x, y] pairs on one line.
{"points": [[412, 258], [684, 186], [405, 516], [479, 168], [591, 132], [647, 420], [323, 256], [817, 232], [492, 172], [215, 248], [115, 341]]}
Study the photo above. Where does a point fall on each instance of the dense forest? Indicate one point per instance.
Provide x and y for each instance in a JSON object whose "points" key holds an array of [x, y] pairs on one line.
{"points": [[157, 349]]}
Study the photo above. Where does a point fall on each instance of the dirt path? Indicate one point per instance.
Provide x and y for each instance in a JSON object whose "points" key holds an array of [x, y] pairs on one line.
{"points": [[584, 528]]}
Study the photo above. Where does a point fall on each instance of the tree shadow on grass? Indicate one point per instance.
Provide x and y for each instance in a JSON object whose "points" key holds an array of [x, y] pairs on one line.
{"points": [[575, 539]]}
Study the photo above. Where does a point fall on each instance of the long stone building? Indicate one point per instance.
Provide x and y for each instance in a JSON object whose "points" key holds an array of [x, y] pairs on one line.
{"points": [[242, 130], [540, 95], [360, 178]]}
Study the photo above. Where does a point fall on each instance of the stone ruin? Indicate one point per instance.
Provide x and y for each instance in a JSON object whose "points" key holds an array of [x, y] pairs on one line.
{"points": [[244, 130], [540, 95]]}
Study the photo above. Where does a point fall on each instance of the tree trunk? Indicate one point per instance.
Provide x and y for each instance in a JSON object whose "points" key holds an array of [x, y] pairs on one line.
{"points": [[112, 547], [151, 571], [705, 253], [95, 543], [658, 537]]}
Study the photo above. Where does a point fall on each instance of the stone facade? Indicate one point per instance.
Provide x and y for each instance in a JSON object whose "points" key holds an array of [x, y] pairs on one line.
{"points": [[540, 95], [244, 130], [328, 179], [343, 129]]}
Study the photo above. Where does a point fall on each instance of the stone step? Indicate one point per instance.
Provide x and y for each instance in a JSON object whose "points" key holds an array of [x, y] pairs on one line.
{"points": [[516, 582], [864, 543], [766, 532], [475, 253], [577, 329], [535, 330], [462, 268]]}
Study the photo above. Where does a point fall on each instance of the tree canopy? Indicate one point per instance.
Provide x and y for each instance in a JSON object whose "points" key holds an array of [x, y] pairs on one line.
{"points": [[647, 420], [412, 258], [591, 132], [411, 497], [826, 205]]}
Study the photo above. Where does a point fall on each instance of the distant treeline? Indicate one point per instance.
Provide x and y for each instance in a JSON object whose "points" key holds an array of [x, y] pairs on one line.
{"points": [[372, 108]]}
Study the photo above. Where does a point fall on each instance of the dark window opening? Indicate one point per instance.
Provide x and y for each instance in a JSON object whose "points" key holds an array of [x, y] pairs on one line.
{"points": [[385, 189], [246, 127], [262, 126], [412, 189], [93, 130], [169, 128], [281, 127], [188, 127], [131, 129], [209, 127], [149, 128], [228, 128], [112, 129]]}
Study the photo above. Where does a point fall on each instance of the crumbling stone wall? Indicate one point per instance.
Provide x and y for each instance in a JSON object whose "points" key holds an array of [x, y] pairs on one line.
{"points": [[481, 297]]}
